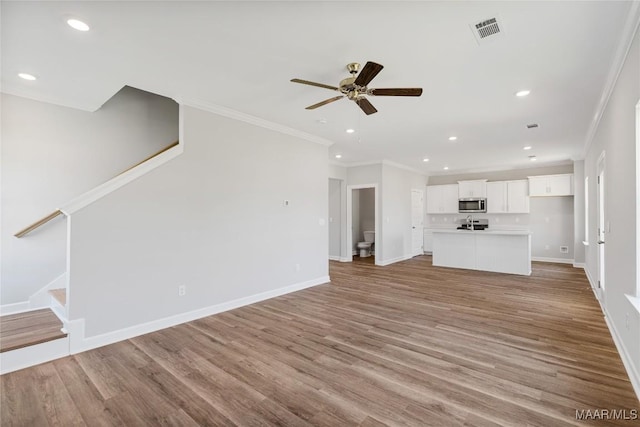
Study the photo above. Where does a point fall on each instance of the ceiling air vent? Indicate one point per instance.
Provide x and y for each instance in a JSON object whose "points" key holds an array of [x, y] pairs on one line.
{"points": [[532, 126], [487, 29]]}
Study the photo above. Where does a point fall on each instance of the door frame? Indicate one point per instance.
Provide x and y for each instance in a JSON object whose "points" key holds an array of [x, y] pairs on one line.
{"points": [[342, 250], [638, 199], [601, 224], [378, 242], [422, 216]]}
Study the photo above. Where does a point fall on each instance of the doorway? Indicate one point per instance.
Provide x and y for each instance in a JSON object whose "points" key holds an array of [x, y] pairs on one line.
{"points": [[362, 216], [335, 219], [602, 225], [417, 222]]}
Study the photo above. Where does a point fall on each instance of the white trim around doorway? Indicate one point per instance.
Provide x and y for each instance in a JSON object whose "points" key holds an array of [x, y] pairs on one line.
{"points": [[378, 242]]}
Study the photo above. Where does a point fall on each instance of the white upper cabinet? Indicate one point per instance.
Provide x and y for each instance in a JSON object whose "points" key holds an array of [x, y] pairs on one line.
{"points": [[551, 185], [475, 188], [518, 196], [508, 197], [497, 197], [442, 199]]}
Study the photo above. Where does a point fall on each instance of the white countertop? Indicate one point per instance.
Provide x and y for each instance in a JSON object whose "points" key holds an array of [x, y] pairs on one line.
{"points": [[500, 232]]}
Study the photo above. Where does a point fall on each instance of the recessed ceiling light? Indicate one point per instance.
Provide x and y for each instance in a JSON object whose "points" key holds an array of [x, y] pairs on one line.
{"points": [[528, 147], [532, 158], [425, 160], [26, 76], [446, 168], [523, 93], [338, 156], [77, 25], [322, 121], [453, 138], [350, 131]]}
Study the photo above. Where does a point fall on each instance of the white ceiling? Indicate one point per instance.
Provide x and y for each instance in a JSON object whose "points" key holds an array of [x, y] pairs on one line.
{"points": [[241, 55]]}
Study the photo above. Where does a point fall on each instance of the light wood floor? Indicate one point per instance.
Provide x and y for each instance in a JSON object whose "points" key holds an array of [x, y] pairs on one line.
{"points": [[407, 344]]}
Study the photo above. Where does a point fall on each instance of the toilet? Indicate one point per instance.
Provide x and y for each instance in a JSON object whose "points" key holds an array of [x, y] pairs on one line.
{"points": [[365, 247]]}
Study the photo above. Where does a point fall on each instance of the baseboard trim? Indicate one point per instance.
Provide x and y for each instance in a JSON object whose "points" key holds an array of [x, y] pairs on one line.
{"points": [[394, 260], [345, 259], [334, 258], [554, 260], [25, 357], [634, 377], [14, 308], [80, 343], [579, 265]]}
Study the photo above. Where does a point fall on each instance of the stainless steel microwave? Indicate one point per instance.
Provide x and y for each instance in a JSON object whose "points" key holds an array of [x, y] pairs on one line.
{"points": [[472, 205]]}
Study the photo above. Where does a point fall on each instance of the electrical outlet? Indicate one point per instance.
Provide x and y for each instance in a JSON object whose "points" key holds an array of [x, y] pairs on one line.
{"points": [[564, 249], [182, 290]]}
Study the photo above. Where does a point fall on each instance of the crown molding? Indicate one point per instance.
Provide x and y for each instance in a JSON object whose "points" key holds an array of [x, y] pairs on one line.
{"points": [[405, 167], [624, 46], [256, 121]]}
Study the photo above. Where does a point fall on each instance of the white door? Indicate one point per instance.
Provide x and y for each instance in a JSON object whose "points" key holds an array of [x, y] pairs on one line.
{"points": [[417, 222], [601, 221]]}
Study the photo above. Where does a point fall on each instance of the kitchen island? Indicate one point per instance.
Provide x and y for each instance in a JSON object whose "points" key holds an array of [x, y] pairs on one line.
{"points": [[502, 251]]}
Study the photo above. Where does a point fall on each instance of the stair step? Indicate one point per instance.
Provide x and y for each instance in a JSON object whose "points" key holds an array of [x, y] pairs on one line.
{"points": [[60, 295], [29, 328]]}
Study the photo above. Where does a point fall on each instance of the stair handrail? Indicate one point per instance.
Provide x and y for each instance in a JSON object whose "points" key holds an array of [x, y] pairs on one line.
{"points": [[58, 212]]}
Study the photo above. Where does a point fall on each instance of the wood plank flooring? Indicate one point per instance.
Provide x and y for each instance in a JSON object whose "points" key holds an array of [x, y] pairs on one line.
{"points": [[408, 344], [29, 328]]}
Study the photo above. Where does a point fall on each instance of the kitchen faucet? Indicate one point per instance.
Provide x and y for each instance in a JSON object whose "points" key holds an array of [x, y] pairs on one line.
{"points": [[470, 221]]}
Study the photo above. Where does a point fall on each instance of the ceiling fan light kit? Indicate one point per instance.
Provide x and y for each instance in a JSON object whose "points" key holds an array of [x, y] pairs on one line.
{"points": [[355, 87]]}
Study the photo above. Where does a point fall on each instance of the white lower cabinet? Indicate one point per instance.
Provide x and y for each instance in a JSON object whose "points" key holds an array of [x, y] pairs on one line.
{"points": [[499, 251]]}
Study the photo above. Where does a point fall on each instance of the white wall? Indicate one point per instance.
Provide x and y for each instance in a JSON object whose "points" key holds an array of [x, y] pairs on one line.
{"points": [[397, 184], [578, 212], [335, 217], [616, 136], [551, 225], [52, 154], [212, 219]]}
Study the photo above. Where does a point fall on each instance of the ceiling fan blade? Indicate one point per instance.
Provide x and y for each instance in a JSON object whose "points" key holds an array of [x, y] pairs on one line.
{"points": [[325, 102], [307, 82], [415, 91], [366, 106], [370, 70]]}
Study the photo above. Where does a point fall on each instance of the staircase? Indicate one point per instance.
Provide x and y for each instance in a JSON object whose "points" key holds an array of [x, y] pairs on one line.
{"points": [[31, 337], [38, 335]]}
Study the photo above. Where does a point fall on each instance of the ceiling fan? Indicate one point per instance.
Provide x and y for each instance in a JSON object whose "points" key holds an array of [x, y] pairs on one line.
{"points": [[355, 88]]}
